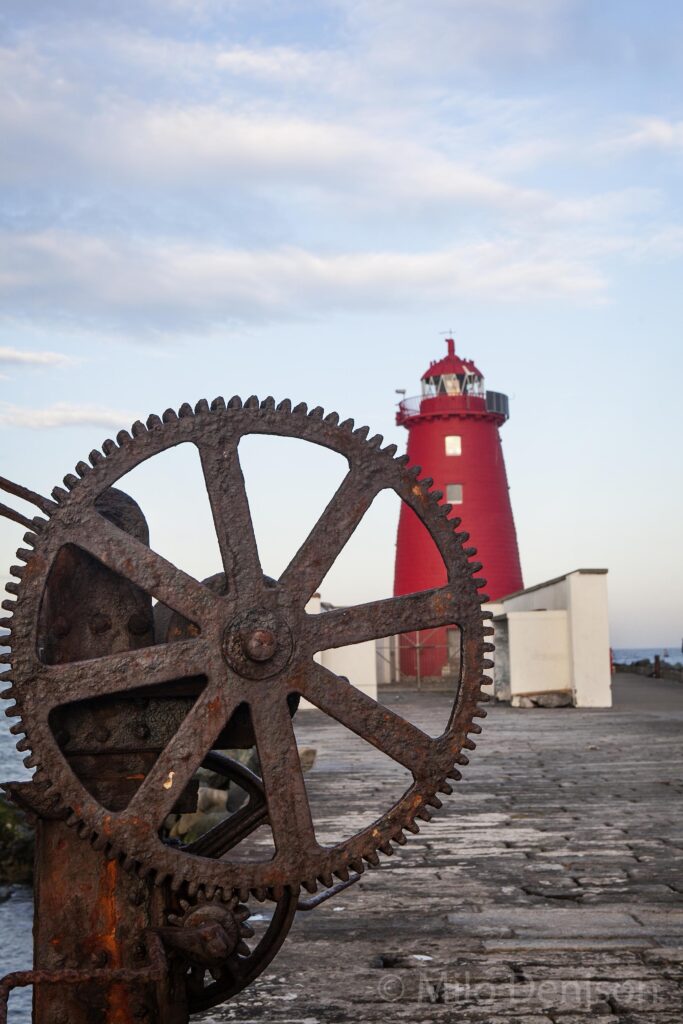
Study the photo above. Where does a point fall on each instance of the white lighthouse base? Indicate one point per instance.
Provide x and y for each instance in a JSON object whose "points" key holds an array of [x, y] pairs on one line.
{"points": [[552, 643]]}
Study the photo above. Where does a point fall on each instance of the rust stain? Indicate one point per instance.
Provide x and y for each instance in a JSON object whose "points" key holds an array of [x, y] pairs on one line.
{"points": [[118, 1004]]}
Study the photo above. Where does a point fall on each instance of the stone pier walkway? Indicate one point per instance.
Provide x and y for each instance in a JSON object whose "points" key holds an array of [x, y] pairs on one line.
{"points": [[549, 889]]}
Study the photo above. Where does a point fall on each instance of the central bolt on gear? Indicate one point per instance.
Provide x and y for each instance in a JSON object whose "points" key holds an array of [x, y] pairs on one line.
{"points": [[252, 641]]}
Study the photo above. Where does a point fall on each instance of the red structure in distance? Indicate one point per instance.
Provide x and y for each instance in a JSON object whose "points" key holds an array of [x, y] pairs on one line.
{"points": [[453, 434]]}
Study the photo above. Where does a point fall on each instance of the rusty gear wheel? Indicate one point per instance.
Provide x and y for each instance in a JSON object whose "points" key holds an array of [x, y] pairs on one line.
{"points": [[255, 646]]}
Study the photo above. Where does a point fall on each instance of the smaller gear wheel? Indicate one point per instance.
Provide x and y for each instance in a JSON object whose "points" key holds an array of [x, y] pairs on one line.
{"points": [[210, 915]]}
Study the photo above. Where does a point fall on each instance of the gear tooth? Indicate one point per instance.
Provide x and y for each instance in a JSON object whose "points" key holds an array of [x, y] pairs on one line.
{"points": [[70, 481], [38, 523], [17, 571], [201, 406], [423, 814], [317, 413], [400, 838], [154, 421], [347, 425], [192, 889], [8, 605], [277, 892], [109, 446], [414, 470], [445, 510], [390, 450], [185, 410], [243, 948], [123, 438], [284, 406], [98, 842], [59, 494], [169, 416], [82, 468], [30, 538], [413, 827], [209, 893], [300, 410], [6, 675], [455, 775], [483, 598], [242, 913], [486, 680], [342, 874], [23, 745], [402, 460], [218, 404], [326, 878], [17, 728], [184, 906], [332, 419], [376, 441], [268, 403], [138, 429], [361, 433], [252, 402], [480, 713], [462, 759], [95, 457], [260, 893], [371, 858], [357, 865], [445, 788], [426, 483], [434, 801], [24, 554], [11, 587], [487, 663], [484, 698], [246, 931], [309, 884], [243, 893], [83, 830], [470, 552], [387, 849], [487, 647], [436, 496], [7, 695], [72, 820], [474, 567], [235, 402]]}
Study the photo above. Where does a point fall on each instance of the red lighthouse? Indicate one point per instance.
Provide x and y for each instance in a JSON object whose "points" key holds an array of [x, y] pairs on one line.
{"points": [[453, 434]]}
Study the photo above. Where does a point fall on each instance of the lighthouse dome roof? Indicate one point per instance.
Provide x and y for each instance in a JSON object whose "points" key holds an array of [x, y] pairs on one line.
{"points": [[451, 364]]}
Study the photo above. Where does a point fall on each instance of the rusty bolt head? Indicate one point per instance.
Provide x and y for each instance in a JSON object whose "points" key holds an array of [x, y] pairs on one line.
{"points": [[99, 623], [141, 731], [101, 734], [259, 645]]}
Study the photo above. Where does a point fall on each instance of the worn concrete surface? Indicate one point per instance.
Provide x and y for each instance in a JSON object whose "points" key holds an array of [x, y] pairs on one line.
{"points": [[549, 889]]}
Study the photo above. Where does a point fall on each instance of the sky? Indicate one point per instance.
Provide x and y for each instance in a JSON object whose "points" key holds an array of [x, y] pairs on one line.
{"points": [[202, 197]]}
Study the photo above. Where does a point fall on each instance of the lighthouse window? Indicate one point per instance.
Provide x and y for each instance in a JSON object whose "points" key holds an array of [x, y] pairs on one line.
{"points": [[454, 494], [453, 444]]}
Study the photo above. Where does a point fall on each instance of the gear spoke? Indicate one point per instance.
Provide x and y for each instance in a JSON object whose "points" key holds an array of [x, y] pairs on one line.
{"points": [[288, 808], [117, 673], [425, 610], [232, 517], [180, 759], [393, 735], [133, 560], [317, 554]]}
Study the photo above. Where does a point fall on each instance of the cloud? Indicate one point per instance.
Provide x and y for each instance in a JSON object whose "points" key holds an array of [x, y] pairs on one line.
{"points": [[17, 357], [171, 285], [62, 414], [651, 133]]}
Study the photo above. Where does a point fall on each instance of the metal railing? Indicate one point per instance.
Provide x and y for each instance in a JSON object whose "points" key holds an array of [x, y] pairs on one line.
{"points": [[495, 402]]}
